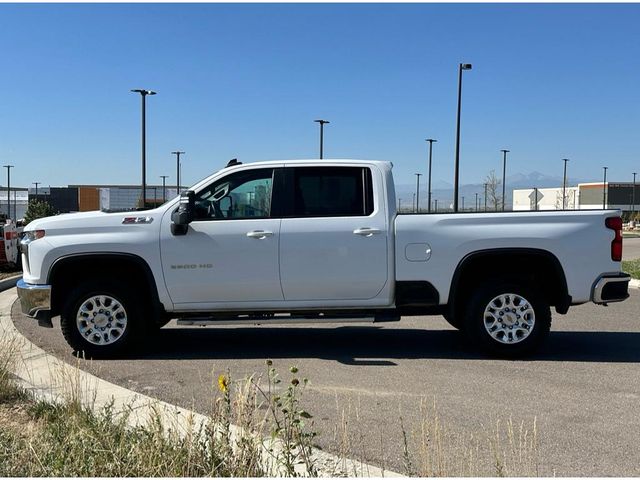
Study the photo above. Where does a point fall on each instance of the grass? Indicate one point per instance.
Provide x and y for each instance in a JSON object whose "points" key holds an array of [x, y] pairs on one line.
{"points": [[429, 448], [70, 439], [274, 438], [632, 267]]}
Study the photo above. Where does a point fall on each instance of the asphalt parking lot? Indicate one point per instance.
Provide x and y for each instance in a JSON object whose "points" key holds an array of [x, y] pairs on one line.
{"points": [[630, 248], [583, 388]]}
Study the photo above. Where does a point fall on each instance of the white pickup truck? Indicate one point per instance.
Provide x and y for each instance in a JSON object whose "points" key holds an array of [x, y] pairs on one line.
{"points": [[314, 241]]}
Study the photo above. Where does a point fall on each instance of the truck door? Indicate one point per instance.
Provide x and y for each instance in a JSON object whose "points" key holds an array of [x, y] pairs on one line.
{"points": [[334, 239], [230, 252]]}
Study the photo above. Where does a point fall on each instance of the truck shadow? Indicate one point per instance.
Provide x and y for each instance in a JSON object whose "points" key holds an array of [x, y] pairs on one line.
{"points": [[372, 345]]}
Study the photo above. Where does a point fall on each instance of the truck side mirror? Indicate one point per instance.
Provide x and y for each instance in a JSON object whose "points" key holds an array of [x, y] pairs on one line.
{"points": [[182, 217]]}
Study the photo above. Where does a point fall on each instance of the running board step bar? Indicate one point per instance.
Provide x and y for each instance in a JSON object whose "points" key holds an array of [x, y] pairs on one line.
{"points": [[279, 319]]}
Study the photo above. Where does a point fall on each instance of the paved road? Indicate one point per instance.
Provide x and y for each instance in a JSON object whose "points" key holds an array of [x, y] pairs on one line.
{"points": [[583, 387], [630, 248]]}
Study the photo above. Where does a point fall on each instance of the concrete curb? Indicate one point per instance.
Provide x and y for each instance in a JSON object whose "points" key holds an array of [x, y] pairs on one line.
{"points": [[49, 378], [7, 283]]}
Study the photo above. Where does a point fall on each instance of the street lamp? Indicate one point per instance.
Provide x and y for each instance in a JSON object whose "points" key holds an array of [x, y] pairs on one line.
{"points": [[436, 205], [321, 122], [461, 67], [604, 188], [430, 140], [36, 184], [143, 95], [164, 187], [633, 197], [564, 184], [418, 175], [477, 202], [8, 167], [504, 171], [177, 154], [485, 196]]}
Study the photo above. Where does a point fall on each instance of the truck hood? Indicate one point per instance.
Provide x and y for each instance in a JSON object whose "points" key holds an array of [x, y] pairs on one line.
{"points": [[97, 221]]}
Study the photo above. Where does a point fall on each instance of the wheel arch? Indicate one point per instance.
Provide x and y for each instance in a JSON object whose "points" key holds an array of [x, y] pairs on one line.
{"points": [[543, 266], [64, 273]]}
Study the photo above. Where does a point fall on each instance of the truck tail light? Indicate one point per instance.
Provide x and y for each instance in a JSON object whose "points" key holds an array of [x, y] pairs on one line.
{"points": [[615, 224]]}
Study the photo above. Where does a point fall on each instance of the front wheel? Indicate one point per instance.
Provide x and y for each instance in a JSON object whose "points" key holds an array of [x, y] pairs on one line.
{"points": [[508, 319], [100, 319]]}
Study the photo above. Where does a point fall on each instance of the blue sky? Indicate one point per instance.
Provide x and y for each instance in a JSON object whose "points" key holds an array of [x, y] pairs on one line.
{"points": [[548, 81]]}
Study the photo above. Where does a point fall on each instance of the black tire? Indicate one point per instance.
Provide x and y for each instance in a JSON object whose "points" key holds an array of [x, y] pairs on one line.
{"points": [[507, 344], [80, 297], [454, 322]]}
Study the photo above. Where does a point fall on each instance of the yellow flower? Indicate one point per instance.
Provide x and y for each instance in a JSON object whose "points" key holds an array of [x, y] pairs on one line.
{"points": [[223, 383]]}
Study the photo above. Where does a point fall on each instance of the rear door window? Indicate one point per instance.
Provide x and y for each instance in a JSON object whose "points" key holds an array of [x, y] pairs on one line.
{"points": [[332, 192]]}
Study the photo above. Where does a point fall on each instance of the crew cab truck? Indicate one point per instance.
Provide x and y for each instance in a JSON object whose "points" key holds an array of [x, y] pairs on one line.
{"points": [[314, 241]]}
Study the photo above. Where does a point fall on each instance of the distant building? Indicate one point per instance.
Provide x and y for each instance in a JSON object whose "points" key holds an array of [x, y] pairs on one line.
{"points": [[19, 200], [545, 198], [85, 198], [119, 197], [583, 197]]}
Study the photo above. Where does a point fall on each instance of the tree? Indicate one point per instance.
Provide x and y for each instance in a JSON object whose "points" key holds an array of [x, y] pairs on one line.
{"points": [[492, 190], [38, 209]]}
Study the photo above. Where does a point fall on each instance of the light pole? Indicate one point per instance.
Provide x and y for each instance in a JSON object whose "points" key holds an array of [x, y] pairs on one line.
{"points": [[504, 172], [399, 204], [177, 154], [418, 175], [143, 95], [461, 67], [430, 140], [164, 187], [413, 202], [321, 122], [476, 202], [535, 189], [633, 197], [604, 188], [564, 184], [8, 167], [36, 184], [485, 196], [436, 205]]}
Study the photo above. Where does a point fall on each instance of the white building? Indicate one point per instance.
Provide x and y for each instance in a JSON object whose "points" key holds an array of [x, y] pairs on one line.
{"points": [[19, 202], [546, 198], [586, 196]]}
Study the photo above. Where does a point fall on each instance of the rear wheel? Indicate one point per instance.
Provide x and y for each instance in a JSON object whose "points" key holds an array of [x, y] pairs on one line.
{"points": [[507, 318], [101, 319]]}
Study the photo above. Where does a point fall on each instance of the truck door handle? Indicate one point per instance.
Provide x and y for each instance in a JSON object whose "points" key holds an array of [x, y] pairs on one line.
{"points": [[366, 231], [259, 234]]}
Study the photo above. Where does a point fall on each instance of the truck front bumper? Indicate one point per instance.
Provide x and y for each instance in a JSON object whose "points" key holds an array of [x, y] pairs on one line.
{"points": [[611, 288], [35, 301]]}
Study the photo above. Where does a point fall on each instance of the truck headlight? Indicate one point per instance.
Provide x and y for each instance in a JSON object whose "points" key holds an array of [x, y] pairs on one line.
{"points": [[29, 236]]}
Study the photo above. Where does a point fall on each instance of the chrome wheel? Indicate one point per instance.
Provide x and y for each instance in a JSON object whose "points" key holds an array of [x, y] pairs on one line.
{"points": [[509, 318], [101, 320]]}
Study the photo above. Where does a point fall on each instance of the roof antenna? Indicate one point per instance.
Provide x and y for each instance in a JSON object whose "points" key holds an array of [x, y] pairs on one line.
{"points": [[233, 162]]}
